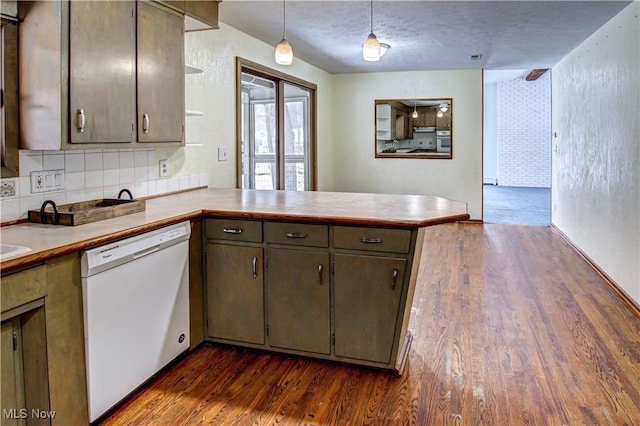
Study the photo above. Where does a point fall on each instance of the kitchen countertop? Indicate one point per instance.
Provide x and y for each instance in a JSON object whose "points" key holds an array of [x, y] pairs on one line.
{"points": [[336, 208]]}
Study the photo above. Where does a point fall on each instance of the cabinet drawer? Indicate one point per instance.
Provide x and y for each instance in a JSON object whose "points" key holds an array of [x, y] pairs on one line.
{"points": [[236, 230], [372, 239], [299, 234], [23, 287]]}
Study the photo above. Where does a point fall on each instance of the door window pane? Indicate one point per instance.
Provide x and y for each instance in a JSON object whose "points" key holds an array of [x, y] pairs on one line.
{"points": [[259, 126], [275, 132], [296, 138]]}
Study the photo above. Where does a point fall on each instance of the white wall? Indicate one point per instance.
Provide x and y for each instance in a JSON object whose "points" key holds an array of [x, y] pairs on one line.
{"points": [[490, 154], [596, 170], [524, 132], [354, 165], [213, 92]]}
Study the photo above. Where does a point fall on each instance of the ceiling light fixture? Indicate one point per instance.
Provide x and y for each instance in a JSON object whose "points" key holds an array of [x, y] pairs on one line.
{"points": [[284, 52], [415, 112], [383, 48], [444, 107], [371, 46]]}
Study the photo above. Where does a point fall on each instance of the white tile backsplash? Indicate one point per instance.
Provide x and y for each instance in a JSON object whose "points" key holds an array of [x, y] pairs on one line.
{"points": [[30, 161], [73, 161], [111, 177], [92, 161], [74, 181], [53, 161], [111, 160], [140, 158], [93, 179], [126, 159], [91, 174], [127, 176]]}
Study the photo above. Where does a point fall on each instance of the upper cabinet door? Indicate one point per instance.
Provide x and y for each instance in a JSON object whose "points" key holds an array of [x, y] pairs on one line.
{"points": [[160, 74], [102, 57]]}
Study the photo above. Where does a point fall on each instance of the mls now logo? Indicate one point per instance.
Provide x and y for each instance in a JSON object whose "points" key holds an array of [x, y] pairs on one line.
{"points": [[23, 413]]}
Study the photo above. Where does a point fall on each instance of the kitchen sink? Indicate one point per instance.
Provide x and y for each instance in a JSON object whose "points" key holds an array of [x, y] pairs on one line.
{"points": [[7, 250]]}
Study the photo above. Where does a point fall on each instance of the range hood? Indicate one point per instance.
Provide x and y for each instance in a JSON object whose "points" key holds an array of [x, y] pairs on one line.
{"points": [[424, 129]]}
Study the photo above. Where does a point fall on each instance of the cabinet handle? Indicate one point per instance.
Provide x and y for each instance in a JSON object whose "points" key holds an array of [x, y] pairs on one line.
{"points": [[232, 231], [145, 123], [370, 240], [320, 273], [296, 235], [81, 120], [254, 264], [394, 279]]}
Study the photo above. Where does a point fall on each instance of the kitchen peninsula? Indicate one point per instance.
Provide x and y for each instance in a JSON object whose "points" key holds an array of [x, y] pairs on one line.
{"points": [[320, 274]]}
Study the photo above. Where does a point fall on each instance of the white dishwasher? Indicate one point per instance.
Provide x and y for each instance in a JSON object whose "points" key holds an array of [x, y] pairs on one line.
{"points": [[136, 311]]}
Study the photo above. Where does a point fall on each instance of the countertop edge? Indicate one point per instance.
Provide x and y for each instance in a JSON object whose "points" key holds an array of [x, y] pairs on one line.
{"points": [[42, 255]]}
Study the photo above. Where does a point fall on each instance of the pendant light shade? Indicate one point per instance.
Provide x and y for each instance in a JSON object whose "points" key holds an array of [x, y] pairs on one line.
{"points": [[284, 51], [415, 111], [371, 46]]}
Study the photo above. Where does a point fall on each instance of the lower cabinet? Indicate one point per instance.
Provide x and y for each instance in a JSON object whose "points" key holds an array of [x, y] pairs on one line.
{"points": [[332, 292], [12, 390], [367, 297], [24, 383], [299, 303], [235, 294]]}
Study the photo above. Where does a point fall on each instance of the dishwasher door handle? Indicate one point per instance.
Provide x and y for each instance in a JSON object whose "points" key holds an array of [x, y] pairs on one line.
{"points": [[146, 251]]}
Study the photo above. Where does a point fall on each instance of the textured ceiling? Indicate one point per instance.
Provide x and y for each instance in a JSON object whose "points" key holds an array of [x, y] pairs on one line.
{"points": [[424, 34]]}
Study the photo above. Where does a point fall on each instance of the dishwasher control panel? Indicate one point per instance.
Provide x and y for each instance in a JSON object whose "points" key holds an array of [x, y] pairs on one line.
{"points": [[119, 252]]}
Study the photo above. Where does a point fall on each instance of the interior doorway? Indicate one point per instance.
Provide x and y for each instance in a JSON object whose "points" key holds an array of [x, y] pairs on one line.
{"points": [[517, 148]]}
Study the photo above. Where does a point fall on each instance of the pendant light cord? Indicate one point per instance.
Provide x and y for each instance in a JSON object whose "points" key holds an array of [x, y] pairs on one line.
{"points": [[284, 18], [371, 16]]}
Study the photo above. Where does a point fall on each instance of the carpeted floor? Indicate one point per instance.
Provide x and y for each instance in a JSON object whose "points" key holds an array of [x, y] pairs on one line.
{"points": [[517, 206]]}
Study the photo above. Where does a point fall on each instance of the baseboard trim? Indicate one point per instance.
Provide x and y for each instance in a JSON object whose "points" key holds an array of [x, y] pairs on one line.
{"points": [[618, 291], [472, 221]]}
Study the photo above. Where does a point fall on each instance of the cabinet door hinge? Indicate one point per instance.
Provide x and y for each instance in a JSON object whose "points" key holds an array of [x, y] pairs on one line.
{"points": [[206, 321], [333, 268], [266, 261], [333, 339], [267, 330], [15, 341]]}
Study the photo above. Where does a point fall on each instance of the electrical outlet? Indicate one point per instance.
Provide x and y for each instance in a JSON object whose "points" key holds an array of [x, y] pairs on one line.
{"points": [[222, 154], [8, 188], [47, 180], [164, 168]]}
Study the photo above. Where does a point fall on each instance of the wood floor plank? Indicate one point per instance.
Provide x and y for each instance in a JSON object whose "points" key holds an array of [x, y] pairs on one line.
{"points": [[510, 326]]}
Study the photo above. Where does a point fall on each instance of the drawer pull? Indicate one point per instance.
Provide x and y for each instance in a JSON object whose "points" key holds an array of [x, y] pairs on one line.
{"points": [[254, 265], [370, 240], [394, 279], [320, 273], [235, 231], [296, 235]]}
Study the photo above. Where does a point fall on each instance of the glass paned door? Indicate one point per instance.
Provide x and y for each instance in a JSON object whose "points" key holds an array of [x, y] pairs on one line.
{"points": [[259, 133], [296, 138], [275, 132]]}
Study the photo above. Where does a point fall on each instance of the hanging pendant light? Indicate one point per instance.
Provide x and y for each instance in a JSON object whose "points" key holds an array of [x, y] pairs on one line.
{"points": [[371, 46], [415, 111], [284, 52]]}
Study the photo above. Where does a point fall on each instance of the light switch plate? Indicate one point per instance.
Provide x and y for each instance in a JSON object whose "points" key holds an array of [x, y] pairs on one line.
{"points": [[222, 154], [47, 180]]}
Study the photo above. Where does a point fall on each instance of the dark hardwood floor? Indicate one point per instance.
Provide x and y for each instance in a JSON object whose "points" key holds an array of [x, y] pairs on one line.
{"points": [[511, 327]]}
